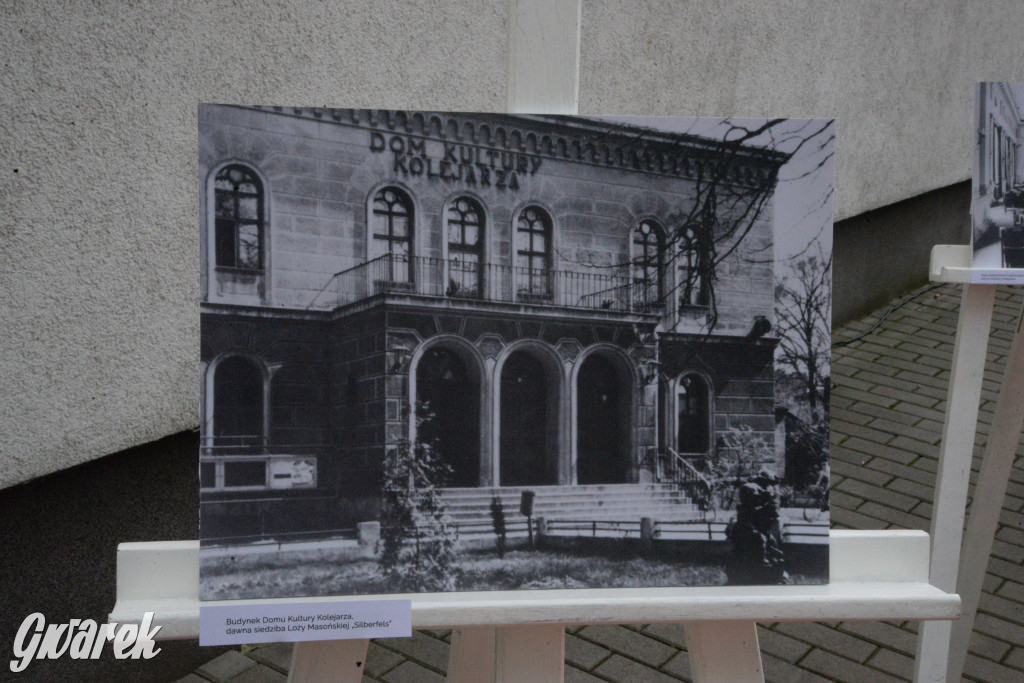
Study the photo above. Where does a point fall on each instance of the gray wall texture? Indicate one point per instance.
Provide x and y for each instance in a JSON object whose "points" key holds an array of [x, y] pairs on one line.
{"points": [[99, 193]]}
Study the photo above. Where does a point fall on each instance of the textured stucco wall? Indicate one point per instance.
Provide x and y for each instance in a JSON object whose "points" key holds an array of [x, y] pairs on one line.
{"points": [[898, 76], [98, 190], [99, 250]]}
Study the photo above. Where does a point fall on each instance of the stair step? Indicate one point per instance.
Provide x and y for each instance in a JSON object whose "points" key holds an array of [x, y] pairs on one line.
{"points": [[559, 504], [682, 511], [471, 507], [558, 492], [576, 504], [542, 490], [580, 500]]}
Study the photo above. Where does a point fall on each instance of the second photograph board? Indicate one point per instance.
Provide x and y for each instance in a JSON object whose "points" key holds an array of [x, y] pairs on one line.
{"points": [[997, 189]]}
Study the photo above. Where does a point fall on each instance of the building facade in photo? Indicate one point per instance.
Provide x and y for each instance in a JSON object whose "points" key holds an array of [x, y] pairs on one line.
{"points": [[552, 301], [998, 116]]}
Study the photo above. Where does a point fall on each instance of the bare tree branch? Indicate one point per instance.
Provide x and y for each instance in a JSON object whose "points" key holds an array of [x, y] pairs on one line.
{"points": [[803, 302]]}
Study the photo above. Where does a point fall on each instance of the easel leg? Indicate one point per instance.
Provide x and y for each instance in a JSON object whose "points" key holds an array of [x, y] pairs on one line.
{"points": [[724, 652], [989, 493], [338, 661], [507, 654], [955, 468], [529, 653], [471, 657]]}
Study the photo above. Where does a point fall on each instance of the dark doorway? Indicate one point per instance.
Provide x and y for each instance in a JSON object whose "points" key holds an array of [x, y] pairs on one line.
{"points": [[600, 424], [238, 403], [448, 401], [525, 423], [693, 418]]}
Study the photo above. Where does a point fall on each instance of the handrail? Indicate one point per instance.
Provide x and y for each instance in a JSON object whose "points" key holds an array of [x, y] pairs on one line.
{"points": [[692, 473], [683, 473], [346, 271], [253, 445]]}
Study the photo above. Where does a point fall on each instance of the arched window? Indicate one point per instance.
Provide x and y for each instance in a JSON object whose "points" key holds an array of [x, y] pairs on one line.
{"points": [[391, 231], [465, 228], [647, 263], [238, 201], [238, 404], [693, 415], [533, 252], [692, 284], [992, 151], [997, 171]]}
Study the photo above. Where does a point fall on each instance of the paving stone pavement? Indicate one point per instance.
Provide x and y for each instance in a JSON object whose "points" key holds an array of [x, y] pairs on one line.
{"points": [[888, 398]]}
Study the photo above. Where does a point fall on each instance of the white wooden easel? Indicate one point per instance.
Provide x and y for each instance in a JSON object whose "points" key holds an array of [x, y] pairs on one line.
{"points": [[942, 647], [520, 636]]}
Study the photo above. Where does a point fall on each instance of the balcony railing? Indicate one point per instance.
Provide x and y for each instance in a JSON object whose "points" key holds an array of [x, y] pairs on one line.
{"points": [[252, 445], [234, 445], [466, 279]]}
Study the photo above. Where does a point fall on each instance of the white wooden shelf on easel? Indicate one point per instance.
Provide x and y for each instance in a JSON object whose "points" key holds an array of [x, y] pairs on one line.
{"points": [[942, 647], [520, 635]]}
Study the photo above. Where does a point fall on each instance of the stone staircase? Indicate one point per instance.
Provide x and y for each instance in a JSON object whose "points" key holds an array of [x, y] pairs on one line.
{"points": [[470, 508]]}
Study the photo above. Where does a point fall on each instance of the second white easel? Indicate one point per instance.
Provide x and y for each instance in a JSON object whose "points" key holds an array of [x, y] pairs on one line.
{"points": [[959, 558]]}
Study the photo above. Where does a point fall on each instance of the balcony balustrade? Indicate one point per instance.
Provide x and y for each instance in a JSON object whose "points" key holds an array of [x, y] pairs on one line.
{"points": [[470, 280]]}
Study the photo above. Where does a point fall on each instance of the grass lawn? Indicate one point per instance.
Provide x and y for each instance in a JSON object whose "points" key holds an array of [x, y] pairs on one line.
{"points": [[318, 573]]}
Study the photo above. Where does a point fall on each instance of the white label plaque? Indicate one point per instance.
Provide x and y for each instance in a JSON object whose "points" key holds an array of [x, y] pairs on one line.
{"points": [[997, 276], [291, 622]]}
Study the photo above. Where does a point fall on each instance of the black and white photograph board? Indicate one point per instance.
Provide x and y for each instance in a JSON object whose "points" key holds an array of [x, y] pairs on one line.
{"points": [[459, 352], [997, 188]]}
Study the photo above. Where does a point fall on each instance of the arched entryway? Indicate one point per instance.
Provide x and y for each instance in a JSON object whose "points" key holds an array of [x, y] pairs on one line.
{"points": [[603, 421], [448, 403], [529, 414]]}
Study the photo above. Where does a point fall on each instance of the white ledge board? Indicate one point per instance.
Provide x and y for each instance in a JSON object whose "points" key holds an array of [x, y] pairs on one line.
{"points": [[875, 575], [952, 263]]}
